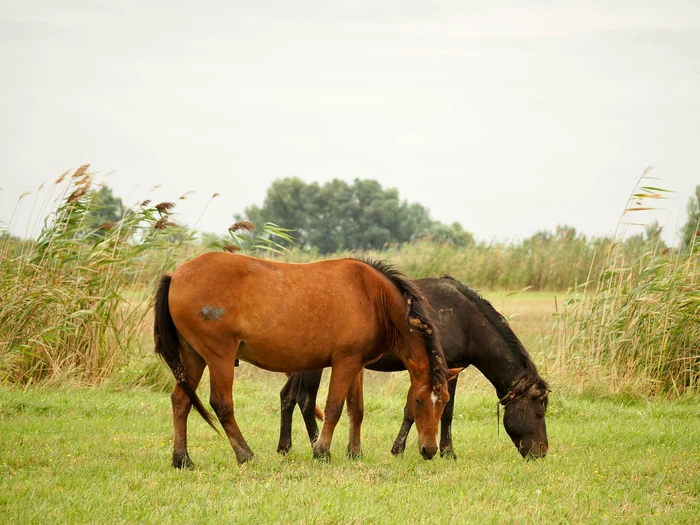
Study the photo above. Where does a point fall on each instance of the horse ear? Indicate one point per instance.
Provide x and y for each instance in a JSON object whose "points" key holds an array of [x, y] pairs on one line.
{"points": [[454, 372]]}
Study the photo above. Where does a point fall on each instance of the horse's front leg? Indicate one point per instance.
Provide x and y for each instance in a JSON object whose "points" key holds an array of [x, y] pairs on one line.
{"points": [[221, 400], [446, 447], [194, 367], [342, 375], [356, 412], [400, 442]]}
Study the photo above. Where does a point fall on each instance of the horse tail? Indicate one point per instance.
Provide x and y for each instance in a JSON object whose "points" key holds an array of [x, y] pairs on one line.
{"points": [[168, 347]]}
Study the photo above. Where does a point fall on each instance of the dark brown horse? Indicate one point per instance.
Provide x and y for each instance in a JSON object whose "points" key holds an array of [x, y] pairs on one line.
{"points": [[471, 332], [344, 313]]}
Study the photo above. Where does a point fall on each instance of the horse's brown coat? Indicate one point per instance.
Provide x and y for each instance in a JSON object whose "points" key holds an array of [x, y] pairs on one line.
{"points": [[294, 317]]}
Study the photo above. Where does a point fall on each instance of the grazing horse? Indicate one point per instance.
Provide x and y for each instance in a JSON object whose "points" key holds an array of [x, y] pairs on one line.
{"points": [[471, 332], [219, 307]]}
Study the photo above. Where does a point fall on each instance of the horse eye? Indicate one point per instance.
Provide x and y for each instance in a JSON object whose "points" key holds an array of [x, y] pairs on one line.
{"points": [[539, 415], [419, 401]]}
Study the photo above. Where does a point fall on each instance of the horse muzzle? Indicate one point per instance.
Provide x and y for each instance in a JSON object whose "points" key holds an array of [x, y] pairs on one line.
{"points": [[537, 450], [428, 452]]}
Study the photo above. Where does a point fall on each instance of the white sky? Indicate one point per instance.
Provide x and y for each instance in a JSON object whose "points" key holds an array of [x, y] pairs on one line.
{"points": [[509, 118]]}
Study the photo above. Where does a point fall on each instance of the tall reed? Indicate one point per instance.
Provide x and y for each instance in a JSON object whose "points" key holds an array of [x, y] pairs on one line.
{"points": [[547, 261], [71, 309], [636, 326]]}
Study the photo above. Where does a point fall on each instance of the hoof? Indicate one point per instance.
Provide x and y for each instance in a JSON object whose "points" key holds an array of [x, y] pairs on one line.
{"points": [[448, 453], [354, 454], [245, 458], [322, 455], [182, 461], [284, 449], [397, 451]]}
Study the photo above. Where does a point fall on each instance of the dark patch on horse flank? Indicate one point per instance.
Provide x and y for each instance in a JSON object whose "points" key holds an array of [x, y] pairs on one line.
{"points": [[503, 328], [211, 313], [416, 316]]}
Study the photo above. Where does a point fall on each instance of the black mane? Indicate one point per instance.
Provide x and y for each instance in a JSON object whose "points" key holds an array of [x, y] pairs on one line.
{"points": [[417, 316], [501, 325]]}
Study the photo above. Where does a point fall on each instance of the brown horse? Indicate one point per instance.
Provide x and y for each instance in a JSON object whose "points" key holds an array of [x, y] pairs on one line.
{"points": [[283, 317]]}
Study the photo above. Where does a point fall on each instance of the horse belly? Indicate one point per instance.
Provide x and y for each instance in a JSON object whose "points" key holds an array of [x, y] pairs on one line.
{"points": [[311, 338], [277, 358]]}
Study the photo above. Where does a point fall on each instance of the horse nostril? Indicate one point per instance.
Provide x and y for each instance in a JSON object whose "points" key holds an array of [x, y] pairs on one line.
{"points": [[427, 453]]}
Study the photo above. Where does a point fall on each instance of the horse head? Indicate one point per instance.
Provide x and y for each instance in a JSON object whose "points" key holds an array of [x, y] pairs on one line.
{"points": [[425, 403], [524, 417]]}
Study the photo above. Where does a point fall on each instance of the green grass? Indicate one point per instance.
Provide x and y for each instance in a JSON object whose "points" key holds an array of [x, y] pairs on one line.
{"points": [[101, 456]]}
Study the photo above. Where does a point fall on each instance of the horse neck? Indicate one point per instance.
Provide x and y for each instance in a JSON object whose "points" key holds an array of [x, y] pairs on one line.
{"points": [[417, 352], [400, 340], [491, 354]]}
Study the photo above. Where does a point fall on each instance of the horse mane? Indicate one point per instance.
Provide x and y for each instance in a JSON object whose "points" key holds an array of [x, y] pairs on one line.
{"points": [[417, 316], [496, 319]]}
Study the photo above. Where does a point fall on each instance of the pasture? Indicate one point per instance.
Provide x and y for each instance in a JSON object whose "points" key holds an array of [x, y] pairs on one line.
{"points": [[103, 456]]}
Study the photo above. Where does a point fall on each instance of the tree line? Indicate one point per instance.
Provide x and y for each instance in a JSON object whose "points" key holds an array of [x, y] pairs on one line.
{"points": [[338, 215]]}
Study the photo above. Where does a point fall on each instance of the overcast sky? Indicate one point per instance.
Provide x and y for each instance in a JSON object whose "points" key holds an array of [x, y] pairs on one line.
{"points": [[509, 118]]}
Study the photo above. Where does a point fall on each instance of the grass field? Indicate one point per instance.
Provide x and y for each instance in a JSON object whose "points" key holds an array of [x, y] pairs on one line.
{"points": [[102, 456]]}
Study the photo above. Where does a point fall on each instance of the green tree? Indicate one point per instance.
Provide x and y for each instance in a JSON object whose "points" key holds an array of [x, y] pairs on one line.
{"points": [[565, 233], [7, 236], [338, 215], [453, 234], [288, 202], [103, 213], [105, 207], [652, 232], [692, 225]]}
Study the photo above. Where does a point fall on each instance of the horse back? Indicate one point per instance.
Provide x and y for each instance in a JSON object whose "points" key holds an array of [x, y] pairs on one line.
{"points": [[269, 304]]}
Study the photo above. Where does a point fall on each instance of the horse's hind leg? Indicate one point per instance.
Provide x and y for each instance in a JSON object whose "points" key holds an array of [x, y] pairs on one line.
{"points": [[356, 412], [301, 388], [446, 447], [342, 375], [288, 400], [221, 400], [306, 397], [194, 367]]}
